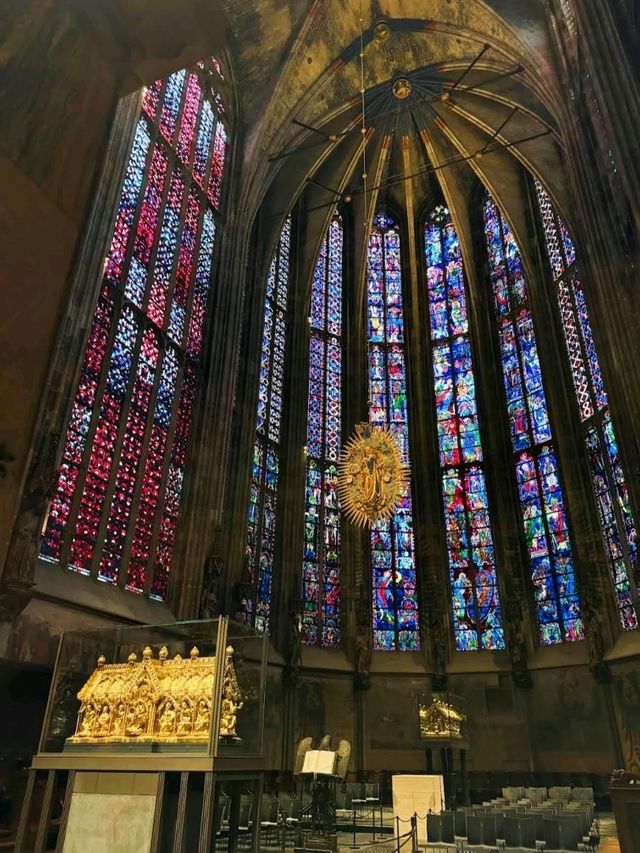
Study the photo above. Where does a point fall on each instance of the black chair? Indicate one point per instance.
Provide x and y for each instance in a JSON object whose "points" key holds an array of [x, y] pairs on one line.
{"points": [[460, 823], [448, 832], [343, 800], [372, 792], [220, 814], [269, 812], [474, 830], [358, 798], [527, 832], [489, 830], [434, 829], [512, 831]]}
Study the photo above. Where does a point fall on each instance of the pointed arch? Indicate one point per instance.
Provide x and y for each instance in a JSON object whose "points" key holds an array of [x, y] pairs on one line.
{"points": [[119, 489], [476, 611], [542, 503], [607, 474], [265, 472], [320, 622], [395, 600]]}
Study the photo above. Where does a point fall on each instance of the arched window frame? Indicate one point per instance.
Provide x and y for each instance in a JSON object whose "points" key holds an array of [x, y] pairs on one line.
{"points": [[117, 497], [542, 501], [321, 590], [607, 474], [262, 514], [393, 556], [475, 596]]}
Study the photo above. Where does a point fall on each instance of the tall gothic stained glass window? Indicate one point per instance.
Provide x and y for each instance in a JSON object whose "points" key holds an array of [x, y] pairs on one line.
{"points": [[477, 618], [321, 558], [261, 527], [609, 484], [538, 477], [116, 504], [395, 600]]}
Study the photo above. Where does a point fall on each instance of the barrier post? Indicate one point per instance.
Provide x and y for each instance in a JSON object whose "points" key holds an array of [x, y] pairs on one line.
{"points": [[414, 833], [398, 834], [353, 843]]}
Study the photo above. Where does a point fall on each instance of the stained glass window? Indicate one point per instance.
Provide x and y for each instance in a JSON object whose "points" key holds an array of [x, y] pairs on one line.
{"points": [[321, 558], [395, 599], [541, 499], [609, 484], [117, 498], [477, 618], [261, 527]]}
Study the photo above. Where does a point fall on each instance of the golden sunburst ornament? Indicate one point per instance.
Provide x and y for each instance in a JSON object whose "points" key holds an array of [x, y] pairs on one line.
{"points": [[372, 475]]}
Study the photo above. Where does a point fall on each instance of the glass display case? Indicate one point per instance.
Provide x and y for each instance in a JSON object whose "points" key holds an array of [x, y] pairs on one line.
{"points": [[188, 695], [442, 717]]}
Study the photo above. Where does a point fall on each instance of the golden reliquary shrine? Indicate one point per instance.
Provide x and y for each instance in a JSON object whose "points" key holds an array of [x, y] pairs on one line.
{"points": [[156, 700], [441, 720]]}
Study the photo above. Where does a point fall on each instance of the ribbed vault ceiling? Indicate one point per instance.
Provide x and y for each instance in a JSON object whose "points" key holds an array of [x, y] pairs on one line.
{"points": [[481, 82]]}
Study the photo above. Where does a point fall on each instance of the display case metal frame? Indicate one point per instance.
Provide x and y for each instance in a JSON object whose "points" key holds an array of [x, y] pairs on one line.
{"points": [[54, 772]]}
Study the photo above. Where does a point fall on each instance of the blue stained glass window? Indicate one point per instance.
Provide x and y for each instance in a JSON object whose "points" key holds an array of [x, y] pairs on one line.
{"points": [[395, 599], [541, 499], [477, 617], [607, 475], [320, 623], [261, 514]]}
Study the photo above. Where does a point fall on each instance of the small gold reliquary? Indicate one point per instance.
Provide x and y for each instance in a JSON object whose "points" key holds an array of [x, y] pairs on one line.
{"points": [[156, 700], [441, 721]]}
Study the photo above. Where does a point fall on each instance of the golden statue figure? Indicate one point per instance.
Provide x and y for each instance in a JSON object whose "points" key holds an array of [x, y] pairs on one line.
{"points": [[372, 475], [104, 721], [229, 713], [203, 717], [119, 720], [88, 723], [167, 719], [185, 721], [138, 713]]}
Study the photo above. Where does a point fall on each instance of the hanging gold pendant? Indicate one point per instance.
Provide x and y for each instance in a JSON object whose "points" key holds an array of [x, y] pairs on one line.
{"points": [[372, 476]]}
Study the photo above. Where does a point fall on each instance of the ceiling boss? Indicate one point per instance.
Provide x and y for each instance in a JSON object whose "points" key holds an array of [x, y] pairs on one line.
{"points": [[372, 475]]}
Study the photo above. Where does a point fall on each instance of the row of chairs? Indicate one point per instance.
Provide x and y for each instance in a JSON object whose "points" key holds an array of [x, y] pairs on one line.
{"points": [[559, 792], [561, 830]]}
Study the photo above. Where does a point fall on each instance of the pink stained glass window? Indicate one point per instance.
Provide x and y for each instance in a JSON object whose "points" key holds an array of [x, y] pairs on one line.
{"points": [[133, 180], [261, 515], [608, 479], [151, 99], [104, 445], [152, 478], [78, 429], [217, 165], [115, 510], [190, 112], [131, 454], [166, 252], [173, 491]]}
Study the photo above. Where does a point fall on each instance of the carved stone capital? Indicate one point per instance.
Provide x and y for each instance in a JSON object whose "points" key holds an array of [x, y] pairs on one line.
{"points": [[439, 682], [290, 676], [14, 597]]}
